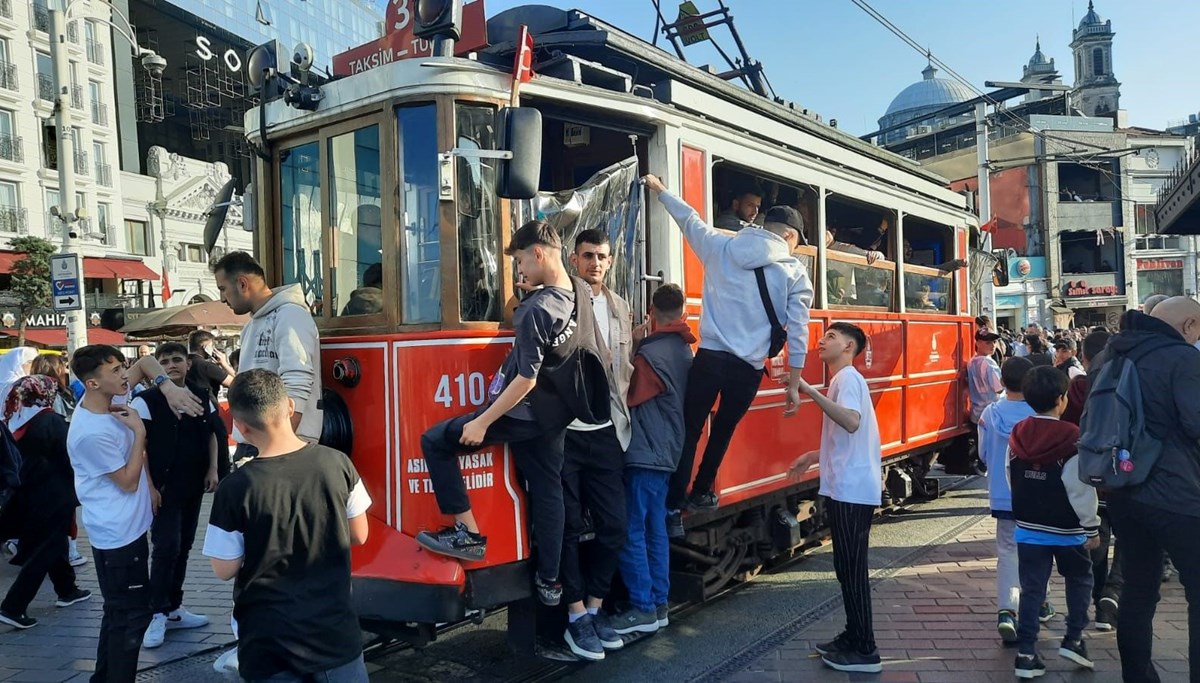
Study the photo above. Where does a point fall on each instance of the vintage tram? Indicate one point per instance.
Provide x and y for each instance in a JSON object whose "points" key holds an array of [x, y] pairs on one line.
{"points": [[397, 242]]}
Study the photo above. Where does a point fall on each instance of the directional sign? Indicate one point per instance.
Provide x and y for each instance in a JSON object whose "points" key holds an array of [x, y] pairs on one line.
{"points": [[64, 282]]}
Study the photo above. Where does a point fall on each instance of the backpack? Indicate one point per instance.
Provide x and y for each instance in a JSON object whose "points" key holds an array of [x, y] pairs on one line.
{"points": [[13, 468], [1115, 448]]}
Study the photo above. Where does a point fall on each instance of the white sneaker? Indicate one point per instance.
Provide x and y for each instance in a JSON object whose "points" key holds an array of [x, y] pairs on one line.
{"points": [[75, 558], [181, 618], [156, 632], [227, 663]]}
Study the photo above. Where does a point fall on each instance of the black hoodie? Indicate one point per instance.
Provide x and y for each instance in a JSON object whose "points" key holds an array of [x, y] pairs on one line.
{"points": [[1170, 376]]}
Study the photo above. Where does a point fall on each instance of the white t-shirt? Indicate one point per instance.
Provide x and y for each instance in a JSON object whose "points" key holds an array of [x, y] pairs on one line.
{"points": [[851, 463], [600, 308], [99, 445]]}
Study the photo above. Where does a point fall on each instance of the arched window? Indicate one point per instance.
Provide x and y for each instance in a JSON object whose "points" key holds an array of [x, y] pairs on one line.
{"points": [[1078, 67], [1098, 61]]}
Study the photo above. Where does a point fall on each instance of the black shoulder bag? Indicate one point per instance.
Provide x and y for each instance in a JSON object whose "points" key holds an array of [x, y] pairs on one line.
{"points": [[778, 334]]}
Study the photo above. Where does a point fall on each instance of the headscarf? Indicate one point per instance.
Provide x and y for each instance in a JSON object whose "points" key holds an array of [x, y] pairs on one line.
{"points": [[12, 367], [29, 396]]}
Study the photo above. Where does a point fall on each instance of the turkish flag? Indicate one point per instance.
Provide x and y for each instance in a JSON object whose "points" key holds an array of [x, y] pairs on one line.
{"points": [[523, 61], [166, 287]]}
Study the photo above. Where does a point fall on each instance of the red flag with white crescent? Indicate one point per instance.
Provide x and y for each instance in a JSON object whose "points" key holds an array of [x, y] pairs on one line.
{"points": [[166, 287], [523, 62]]}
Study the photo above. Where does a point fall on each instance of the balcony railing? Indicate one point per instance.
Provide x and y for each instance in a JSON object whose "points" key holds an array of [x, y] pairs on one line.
{"points": [[46, 87], [10, 148], [99, 113], [104, 174], [8, 76], [41, 17], [96, 302], [1088, 215], [95, 52], [77, 97], [14, 220], [81, 163], [6, 9]]}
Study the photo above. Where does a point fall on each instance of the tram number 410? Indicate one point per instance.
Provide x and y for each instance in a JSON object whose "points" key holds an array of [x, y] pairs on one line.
{"points": [[471, 390]]}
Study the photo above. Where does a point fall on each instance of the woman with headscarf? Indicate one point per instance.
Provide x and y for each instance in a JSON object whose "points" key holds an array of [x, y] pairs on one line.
{"points": [[54, 366], [15, 364], [45, 502]]}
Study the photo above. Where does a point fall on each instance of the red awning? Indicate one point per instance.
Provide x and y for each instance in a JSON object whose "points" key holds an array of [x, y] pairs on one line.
{"points": [[7, 259], [121, 269], [57, 338]]}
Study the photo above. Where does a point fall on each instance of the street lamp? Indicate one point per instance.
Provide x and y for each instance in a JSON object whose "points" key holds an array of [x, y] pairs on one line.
{"points": [[66, 211]]}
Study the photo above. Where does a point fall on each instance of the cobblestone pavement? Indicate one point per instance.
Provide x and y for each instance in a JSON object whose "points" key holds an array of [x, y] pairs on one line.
{"points": [[62, 647], [935, 622]]}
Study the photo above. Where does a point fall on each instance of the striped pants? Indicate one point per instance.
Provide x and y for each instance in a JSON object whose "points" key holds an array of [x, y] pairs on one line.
{"points": [[851, 527]]}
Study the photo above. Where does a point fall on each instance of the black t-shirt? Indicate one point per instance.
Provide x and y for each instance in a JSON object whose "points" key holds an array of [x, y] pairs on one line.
{"points": [[292, 594], [541, 322], [207, 374]]}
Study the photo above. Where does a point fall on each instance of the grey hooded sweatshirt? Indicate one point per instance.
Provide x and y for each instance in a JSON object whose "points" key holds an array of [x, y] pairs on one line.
{"points": [[733, 319], [282, 337]]}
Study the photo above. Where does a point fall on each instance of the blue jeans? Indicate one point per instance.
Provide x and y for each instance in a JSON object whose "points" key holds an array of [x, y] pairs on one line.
{"points": [[645, 560], [1036, 561], [351, 672]]}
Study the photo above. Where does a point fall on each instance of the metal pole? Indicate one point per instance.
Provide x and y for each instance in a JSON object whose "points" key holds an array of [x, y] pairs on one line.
{"points": [[988, 291], [76, 320]]}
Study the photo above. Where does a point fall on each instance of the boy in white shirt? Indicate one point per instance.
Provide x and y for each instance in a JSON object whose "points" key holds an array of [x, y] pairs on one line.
{"points": [[850, 461], [107, 445]]}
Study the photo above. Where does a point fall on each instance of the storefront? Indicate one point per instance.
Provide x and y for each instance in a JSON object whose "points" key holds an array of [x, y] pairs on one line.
{"points": [[47, 329], [1021, 302], [1159, 276]]}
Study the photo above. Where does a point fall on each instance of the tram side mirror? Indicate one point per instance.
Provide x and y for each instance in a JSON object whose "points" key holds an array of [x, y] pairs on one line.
{"points": [[520, 131], [214, 219]]}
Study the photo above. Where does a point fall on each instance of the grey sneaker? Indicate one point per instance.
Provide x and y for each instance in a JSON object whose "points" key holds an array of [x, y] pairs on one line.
{"points": [[582, 639], [675, 524], [454, 541], [702, 502], [609, 638], [663, 616], [633, 620]]}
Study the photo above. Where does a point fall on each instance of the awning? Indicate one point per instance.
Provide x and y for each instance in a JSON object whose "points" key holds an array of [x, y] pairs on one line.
{"points": [[7, 260], [1059, 310], [121, 269], [57, 338]]}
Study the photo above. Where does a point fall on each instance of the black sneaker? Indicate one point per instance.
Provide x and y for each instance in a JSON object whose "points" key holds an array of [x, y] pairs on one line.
{"points": [[633, 620], [839, 644], [1029, 666], [854, 661], [701, 502], [549, 592], [609, 638], [664, 616], [675, 524], [1105, 620], [1076, 651], [20, 621], [77, 595], [582, 639], [455, 541]]}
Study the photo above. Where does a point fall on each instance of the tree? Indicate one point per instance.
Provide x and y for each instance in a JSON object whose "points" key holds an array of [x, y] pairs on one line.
{"points": [[31, 277]]}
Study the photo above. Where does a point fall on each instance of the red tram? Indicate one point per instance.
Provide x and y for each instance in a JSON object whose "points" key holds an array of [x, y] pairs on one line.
{"points": [[362, 193]]}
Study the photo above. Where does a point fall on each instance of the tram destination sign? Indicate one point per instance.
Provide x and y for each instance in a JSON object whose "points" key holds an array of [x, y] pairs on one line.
{"points": [[400, 43]]}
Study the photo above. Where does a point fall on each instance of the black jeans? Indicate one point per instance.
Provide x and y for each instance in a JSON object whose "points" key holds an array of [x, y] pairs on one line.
{"points": [[538, 451], [124, 576], [1106, 576], [713, 374], [1036, 561], [1146, 532], [850, 527], [172, 534], [593, 479], [46, 556]]}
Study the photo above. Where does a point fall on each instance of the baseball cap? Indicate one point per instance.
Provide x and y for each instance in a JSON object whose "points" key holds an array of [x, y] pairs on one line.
{"points": [[786, 215], [986, 335], [1068, 344]]}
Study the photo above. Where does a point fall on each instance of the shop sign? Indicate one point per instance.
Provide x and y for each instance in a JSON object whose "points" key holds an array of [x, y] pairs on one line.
{"points": [[1160, 264], [1083, 288], [231, 57], [400, 43], [40, 318]]}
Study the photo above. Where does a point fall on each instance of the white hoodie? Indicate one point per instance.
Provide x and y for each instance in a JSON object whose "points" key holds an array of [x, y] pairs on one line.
{"points": [[733, 319], [282, 337]]}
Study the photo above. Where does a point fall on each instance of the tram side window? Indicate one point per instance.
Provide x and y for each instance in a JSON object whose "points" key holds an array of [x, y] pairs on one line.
{"points": [[300, 195], [478, 217], [354, 211], [929, 266], [417, 138]]}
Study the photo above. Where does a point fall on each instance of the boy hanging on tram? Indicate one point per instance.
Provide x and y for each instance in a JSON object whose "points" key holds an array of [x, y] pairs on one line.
{"points": [[531, 400]]}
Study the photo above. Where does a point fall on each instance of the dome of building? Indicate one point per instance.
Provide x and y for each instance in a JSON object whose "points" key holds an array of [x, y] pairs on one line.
{"points": [[1038, 59], [930, 93], [1091, 18]]}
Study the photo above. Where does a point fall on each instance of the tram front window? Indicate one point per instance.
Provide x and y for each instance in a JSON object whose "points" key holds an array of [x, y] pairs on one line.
{"points": [[354, 210], [300, 195], [478, 219], [417, 139]]}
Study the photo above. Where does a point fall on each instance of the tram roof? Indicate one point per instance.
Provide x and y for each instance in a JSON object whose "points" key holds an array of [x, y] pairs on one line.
{"points": [[581, 35]]}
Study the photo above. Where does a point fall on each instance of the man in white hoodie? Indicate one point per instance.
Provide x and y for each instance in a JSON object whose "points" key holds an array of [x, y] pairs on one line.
{"points": [[281, 337], [735, 334]]}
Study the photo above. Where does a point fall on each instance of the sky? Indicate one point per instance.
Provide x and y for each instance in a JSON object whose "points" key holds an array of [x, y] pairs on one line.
{"points": [[831, 57]]}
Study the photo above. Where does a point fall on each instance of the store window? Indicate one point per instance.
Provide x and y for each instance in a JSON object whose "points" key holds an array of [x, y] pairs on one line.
{"points": [[417, 137], [354, 210]]}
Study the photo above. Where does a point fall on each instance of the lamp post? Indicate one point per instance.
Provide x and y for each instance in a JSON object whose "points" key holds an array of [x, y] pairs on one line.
{"points": [[66, 211]]}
